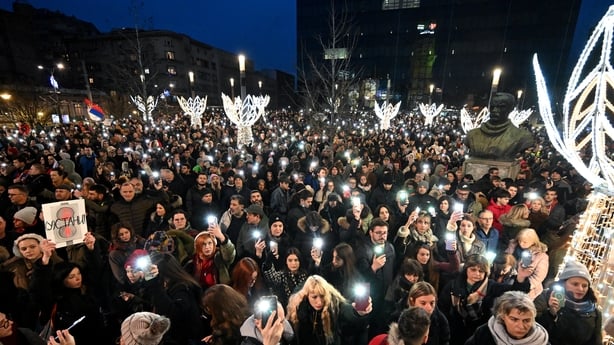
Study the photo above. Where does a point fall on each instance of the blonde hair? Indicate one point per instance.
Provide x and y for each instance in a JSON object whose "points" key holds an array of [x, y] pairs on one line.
{"points": [[332, 298], [531, 235], [517, 211]]}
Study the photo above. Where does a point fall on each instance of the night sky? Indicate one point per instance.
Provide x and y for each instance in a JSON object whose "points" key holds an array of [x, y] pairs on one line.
{"points": [[263, 30]]}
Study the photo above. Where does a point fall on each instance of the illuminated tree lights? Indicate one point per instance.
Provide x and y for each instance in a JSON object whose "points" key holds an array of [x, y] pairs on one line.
{"points": [[430, 111], [195, 108], [386, 113], [587, 129], [145, 108], [586, 134], [470, 121], [244, 114]]}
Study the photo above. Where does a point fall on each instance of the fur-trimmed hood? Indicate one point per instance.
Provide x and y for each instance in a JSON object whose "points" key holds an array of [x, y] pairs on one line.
{"points": [[517, 223], [323, 225], [394, 338]]}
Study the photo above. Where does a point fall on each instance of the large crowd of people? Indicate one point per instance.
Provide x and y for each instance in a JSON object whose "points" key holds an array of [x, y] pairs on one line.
{"points": [[330, 233]]}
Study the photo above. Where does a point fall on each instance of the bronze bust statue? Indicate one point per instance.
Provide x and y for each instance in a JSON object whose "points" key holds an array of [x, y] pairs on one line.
{"points": [[498, 138]]}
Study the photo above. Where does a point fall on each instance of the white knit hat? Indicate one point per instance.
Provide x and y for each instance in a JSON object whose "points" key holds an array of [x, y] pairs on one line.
{"points": [[26, 214], [36, 237], [144, 328]]}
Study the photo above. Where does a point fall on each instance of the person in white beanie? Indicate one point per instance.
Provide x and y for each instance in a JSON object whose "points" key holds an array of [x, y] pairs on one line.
{"points": [[26, 221], [568, 309], [144, 328]]}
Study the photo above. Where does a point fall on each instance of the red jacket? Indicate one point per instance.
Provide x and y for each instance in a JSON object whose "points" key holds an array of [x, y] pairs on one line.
{"points": [[497, 211]]}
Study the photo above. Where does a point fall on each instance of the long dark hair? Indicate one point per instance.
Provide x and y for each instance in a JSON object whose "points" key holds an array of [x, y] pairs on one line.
{"points": [[171, 272]]}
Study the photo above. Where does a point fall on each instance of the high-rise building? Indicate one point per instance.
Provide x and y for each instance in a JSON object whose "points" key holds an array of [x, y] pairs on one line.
{"points": [[403, 47]]}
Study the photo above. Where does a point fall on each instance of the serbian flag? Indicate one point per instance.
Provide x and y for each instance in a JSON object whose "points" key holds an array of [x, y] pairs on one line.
{"points": [[94, 111]]}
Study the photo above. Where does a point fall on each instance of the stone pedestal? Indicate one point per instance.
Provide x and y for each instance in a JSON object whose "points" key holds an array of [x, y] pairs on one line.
{"points": [[479, 167]]}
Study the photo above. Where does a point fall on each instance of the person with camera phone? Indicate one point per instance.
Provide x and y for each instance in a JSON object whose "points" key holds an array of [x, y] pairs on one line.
{"points": [[530, 253], [319, 314], [568, 309], [268, 314]]}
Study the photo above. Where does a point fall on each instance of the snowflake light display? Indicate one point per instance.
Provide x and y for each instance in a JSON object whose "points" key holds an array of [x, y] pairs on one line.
{"points": [[243, 114], [386, 113], [587, 132], [430, 112], [145, 108], [470, 121], [195, 108]]}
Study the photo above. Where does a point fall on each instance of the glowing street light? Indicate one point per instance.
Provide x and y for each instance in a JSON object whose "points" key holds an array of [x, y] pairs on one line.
{"points": [[191, 78], [232, 88], [496, 75], [6, 96], [242, 75]]}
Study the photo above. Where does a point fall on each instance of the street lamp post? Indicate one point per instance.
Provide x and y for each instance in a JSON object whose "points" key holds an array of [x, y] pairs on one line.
{"points": [[232, 88], [191, 77], [496, 75], [518, 97], [431, 88], [242, 76]]}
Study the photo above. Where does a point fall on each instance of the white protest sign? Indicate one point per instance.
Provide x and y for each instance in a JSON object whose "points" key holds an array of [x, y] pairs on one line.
{"points": [[65, 222]]}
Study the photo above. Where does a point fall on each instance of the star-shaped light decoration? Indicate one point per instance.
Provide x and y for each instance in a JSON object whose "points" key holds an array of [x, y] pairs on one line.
{"points": [[430, 111], [470, 121], [243, 114], [146, 108], [386, 113], [195, 108]]}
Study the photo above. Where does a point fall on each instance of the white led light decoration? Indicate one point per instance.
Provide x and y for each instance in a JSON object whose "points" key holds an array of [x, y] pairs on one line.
{"points": [[430, 112], [386, 113], [195, 108], [244, 114], [519, 116], [470, 121], [587, 130], [261, 102], [145, 108]]}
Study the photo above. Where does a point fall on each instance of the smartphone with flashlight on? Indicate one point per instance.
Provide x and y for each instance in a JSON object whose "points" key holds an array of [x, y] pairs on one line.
{"points": [[558, 292], [318, 243], [265, 306], [361, 296], [211, 221], [144, 264], [526, 258]]}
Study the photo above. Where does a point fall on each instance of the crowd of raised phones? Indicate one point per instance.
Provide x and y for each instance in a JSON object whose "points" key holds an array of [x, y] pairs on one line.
{"points": [[343, 227]]}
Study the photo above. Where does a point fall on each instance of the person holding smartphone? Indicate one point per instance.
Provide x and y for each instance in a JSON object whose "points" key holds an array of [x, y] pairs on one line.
{"points": [[530, 253], [571, 316], [319, 314]]}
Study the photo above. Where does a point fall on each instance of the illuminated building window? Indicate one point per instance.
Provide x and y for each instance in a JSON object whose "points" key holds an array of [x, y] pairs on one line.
{"points": [[171, 70], [170, 55], [399, 4]]}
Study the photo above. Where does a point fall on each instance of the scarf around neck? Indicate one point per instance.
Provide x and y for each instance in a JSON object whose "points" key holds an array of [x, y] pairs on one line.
{"points": [[536, 336], [467, 241]]}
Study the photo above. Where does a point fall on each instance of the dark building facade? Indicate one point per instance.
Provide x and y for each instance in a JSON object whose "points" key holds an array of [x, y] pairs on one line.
{"points": [[405, 46], [119, 64]]}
